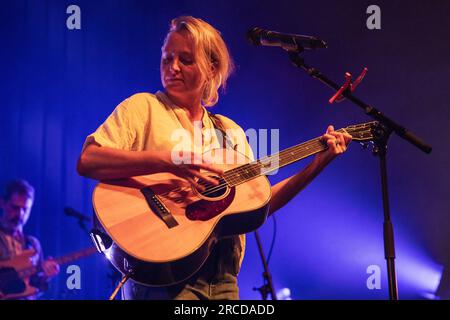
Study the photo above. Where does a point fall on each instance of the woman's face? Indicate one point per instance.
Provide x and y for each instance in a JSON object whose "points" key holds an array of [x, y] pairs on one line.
{"points": [[180, 74]]}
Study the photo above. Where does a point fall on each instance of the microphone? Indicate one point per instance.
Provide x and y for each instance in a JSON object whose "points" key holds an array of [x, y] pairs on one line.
{"points": [[74, 213], [290, 42]]}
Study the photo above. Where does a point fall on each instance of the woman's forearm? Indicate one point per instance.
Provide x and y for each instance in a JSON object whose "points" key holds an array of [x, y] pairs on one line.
{"points": [[103, 163], [285, 190]]}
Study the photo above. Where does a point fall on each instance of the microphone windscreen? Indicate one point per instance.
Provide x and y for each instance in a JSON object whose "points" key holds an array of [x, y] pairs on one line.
{"points": [[253, 36]]}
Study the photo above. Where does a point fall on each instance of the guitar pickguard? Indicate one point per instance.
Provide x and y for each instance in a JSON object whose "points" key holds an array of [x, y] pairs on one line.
{"points": [[204, 210]]}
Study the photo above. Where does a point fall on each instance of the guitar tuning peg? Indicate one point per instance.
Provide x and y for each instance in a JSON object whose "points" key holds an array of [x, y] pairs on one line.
{"points": [[369, 145], [364, 145], [375, 148]]}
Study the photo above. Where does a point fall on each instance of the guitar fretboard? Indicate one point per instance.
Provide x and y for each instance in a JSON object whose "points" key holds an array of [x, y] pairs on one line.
{"points": [[275, 161], [28, 272]]}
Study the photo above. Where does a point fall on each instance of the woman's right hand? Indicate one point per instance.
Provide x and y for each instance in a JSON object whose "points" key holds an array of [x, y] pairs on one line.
{"points": [[187, 165]]}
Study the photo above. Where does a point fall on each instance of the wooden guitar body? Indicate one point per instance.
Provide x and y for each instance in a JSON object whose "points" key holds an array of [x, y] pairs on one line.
{"points": [[164, 230], [12, 285], [159, 230]]}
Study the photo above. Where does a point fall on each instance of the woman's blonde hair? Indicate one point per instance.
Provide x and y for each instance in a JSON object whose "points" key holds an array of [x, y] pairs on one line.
{"points": [[211, 55]]}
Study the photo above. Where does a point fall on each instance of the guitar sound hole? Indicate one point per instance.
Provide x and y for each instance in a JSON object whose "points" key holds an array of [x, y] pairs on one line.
{"points": [[213, 191]]}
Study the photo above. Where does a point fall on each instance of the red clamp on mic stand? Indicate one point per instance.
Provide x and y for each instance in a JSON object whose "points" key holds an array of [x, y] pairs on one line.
{"points": [[348, 85]]}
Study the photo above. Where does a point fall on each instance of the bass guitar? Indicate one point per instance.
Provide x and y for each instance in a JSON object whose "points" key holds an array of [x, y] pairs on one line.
{"points": [[15, 273]]}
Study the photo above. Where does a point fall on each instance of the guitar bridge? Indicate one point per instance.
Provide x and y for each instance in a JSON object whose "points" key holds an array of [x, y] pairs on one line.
{"points": [[158, 207]]}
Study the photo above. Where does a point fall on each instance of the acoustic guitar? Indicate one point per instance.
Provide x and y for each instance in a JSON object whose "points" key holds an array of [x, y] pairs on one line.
{"points": [[15, 273], [159, 230]]}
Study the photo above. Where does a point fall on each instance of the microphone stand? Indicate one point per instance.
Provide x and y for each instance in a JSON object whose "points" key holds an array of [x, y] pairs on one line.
{"points": [[81, 218], [113, 274], [82, 225], [382, 132], [267, 287]]}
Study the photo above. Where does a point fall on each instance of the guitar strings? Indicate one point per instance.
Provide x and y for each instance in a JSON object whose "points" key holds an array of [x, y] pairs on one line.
{"points": [[254, 167], [305, 145], [258, 165], [237, 173], [239, 170]]}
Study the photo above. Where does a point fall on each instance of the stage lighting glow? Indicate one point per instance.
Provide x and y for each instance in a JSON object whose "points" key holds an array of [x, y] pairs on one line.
{"points": [[284, 294], [421, 274]]}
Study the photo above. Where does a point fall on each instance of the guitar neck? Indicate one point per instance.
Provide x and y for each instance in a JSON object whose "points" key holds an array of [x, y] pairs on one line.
{"points": [[75, 256], [25, 273], [275, 161]]}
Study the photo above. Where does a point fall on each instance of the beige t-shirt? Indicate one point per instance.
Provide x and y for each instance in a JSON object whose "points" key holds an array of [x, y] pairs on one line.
{"points": [[147, 121]]}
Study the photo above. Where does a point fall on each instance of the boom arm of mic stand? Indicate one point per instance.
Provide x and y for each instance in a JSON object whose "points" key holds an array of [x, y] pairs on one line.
{"points": [[382, 134], [404, 133]]}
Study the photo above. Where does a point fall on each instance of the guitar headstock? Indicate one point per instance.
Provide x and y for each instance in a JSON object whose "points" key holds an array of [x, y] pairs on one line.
{"points": [[364, 131]]}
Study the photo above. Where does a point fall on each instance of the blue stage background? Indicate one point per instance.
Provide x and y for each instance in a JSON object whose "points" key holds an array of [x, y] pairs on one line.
{"points": [[58, 85]]}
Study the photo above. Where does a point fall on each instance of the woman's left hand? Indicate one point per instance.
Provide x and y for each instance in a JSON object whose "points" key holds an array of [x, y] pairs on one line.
{"points": [[337, 143]]}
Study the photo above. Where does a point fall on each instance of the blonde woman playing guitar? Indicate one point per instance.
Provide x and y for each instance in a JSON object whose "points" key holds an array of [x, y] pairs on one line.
{"points": [[138, 139]]}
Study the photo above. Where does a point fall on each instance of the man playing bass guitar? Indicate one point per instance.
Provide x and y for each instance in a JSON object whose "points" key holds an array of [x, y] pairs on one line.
{"points": [[16, 205]]}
